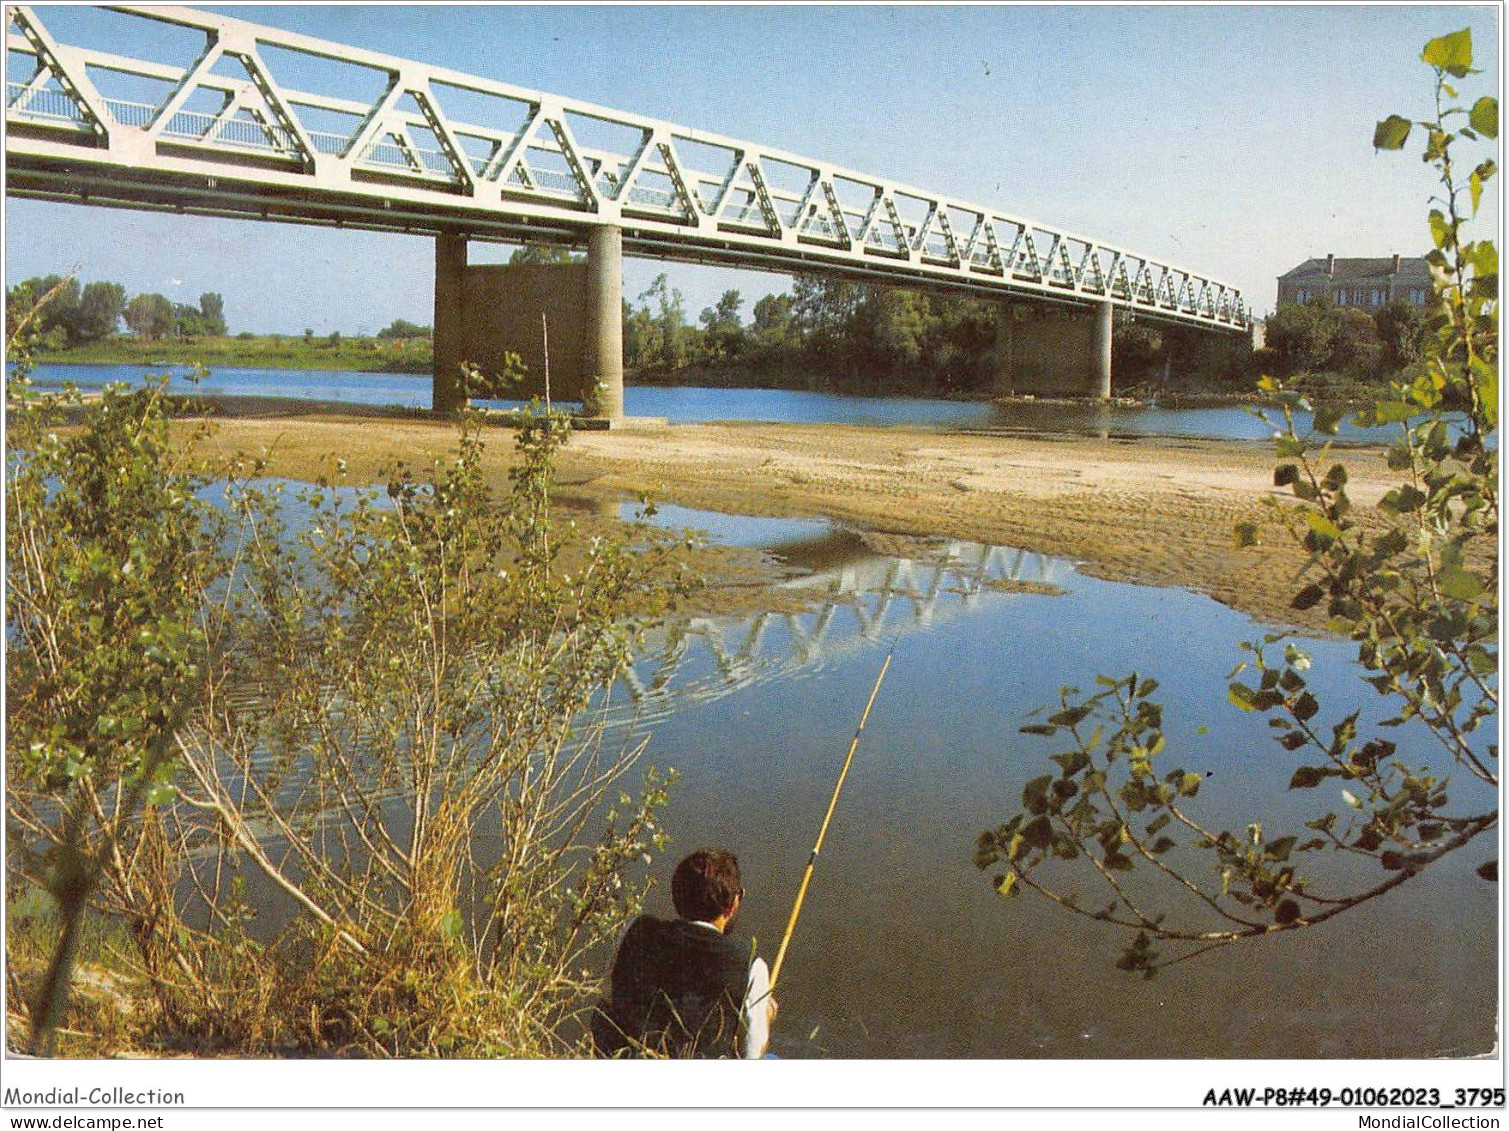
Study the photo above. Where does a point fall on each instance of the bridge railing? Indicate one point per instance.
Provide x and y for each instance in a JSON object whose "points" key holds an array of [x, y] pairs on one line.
{"points": [[435, 143]]}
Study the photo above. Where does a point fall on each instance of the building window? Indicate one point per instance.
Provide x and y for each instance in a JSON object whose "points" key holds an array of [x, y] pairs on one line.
{"points": [[1340, 298], [1377, 298], [1302, 296]]}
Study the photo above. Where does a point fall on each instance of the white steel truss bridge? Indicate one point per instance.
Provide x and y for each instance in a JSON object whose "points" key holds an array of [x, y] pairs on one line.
{"points": [[253, 121]]}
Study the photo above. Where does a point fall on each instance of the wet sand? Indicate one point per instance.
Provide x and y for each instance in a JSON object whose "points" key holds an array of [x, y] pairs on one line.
{"points": [[1154, 511]]}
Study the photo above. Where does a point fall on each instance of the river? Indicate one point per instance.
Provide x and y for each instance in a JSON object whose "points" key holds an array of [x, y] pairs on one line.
{"points": [[691, 405]]}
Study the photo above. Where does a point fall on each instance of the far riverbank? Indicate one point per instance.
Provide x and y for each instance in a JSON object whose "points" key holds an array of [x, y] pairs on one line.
{"points": [[410, 356]]}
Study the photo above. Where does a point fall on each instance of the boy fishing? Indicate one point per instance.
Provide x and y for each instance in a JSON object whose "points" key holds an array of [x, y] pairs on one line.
{"points": [[682, 987]]}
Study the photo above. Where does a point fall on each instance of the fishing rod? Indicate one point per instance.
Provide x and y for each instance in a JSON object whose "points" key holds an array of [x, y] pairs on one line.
{"points": [[801, 892]]}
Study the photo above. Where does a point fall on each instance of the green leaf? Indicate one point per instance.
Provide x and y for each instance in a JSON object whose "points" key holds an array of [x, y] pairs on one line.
{"points": [[1489, 871], [1117, 862], [1038, 833], [1391, 133], [1306, 598], [1280, 848], [1241, 696], [1475, 191], [1460, 583], [1189, 784], [1072, 761], [1351, 799], [1285, 474], [1486, 375], [1071, 716], [1245, 534], [1305, 707], [1485, 116], [1328, 419], [1039, 728], [1322, 525], [1392, 412], [1035, 794], [1485, 256], [1286, 912], [1451, 53], [1307, 777], [1440, 228], [450, 925], [1006, 885]]}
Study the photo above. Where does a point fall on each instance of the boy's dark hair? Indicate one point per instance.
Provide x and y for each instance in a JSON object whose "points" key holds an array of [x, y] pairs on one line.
{"points": [[705, 884]]}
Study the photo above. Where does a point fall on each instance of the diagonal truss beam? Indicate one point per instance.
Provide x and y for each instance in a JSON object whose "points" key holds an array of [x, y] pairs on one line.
{"points": [[534, 176]]}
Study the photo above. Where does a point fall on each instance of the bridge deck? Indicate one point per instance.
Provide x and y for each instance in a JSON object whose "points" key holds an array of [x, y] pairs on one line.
{"points": [[393, 144]]}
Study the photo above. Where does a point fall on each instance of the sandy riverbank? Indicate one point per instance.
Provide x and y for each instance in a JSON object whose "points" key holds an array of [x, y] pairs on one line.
{"points": [[1159, 511]]}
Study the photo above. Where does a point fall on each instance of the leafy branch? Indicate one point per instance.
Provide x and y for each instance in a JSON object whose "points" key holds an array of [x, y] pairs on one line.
{"points": [[1413, 583]]}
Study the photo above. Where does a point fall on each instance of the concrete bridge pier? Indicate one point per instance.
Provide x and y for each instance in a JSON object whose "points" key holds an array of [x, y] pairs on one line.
{"points": [[483, 312], [1005, 352], [1100, 351], [603, 379], [447, 394], [1054, 351]]}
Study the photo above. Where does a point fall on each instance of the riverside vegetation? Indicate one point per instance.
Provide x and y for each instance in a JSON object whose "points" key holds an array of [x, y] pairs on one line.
{"points": [[1415, 586], [386, 722], [81, 325], [413, 355]]}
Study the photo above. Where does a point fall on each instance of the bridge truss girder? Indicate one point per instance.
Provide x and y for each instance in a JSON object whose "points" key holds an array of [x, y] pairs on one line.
{"points": [[226, 137]]}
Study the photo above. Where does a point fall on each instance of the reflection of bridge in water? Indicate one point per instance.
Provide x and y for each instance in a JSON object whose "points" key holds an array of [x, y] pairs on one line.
{"points": [[858, 597]]}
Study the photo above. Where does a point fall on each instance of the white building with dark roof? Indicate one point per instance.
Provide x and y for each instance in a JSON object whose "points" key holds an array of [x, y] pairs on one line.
{"points": [[1364, 283]]}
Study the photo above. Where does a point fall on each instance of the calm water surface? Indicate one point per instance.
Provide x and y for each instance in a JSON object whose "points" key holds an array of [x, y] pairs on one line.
{"points": [[903, 949], [689, 405]]}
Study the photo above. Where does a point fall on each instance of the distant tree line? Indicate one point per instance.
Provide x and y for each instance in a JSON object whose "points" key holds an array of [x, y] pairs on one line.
{"points": [[826, 331], [1325, 348], [866, 337], [1317, 337], [874, 338], [82, 315]]}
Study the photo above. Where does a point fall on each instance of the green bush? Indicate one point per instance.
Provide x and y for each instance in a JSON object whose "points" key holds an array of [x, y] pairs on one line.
{"points": [[391, 717]]}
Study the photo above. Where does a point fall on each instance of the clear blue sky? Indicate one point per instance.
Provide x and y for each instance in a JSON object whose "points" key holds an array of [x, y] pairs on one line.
{"points": [[1231, 140]]}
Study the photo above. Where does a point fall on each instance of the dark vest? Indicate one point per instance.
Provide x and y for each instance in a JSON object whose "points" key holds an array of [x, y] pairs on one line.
{"points": [[677, 990]]}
